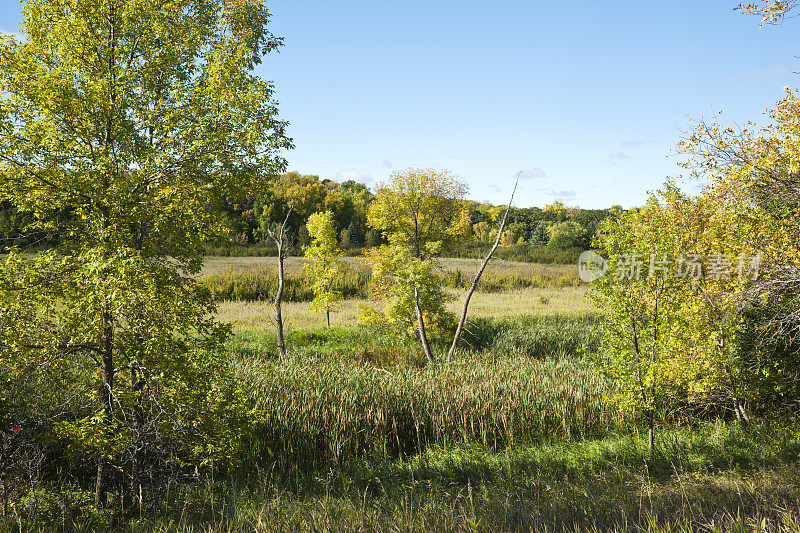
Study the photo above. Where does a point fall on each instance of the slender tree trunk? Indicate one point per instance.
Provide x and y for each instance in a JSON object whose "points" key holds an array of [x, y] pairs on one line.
{"points": [[137, 384], [649, 414], [740, 410], [278, 298], [328, 317], [421, 322], [106, 391], [281, 242], [105, 394], [463, 319]]}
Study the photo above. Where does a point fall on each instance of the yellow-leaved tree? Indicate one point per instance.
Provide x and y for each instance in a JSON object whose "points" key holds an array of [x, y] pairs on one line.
{"points": [[324, 263], [418, 210]]}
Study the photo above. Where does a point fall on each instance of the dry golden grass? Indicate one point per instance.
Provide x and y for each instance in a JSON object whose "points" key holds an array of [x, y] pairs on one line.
{"points": [[260, 315], [213, 265], [546, 301], [543, 301]]}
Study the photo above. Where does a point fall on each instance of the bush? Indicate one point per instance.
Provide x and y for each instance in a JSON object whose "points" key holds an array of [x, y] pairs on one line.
{"points": [[524, 253]]}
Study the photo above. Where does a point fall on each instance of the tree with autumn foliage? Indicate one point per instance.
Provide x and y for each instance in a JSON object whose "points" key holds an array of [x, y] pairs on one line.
{"points": [[123, 123], [324, 263], [641, 300], [418, 211], [755, 177], [727, 332], [771, 11]]}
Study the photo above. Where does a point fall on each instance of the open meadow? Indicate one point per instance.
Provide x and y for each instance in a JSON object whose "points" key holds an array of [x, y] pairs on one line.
{"points": [[514, 434], [215, 318]]}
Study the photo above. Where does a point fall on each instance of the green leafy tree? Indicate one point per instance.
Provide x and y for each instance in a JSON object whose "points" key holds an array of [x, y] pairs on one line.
{"points": [[304, 194], [642, 314], [324, 263], [372, 239], [134, 117], [564, 235], [418, 211], [675, 323]]}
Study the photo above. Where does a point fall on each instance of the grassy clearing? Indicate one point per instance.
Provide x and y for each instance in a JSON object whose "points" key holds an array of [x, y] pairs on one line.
{"points": [[355, 392], [512, 435], [258, 315], [216, 264]]}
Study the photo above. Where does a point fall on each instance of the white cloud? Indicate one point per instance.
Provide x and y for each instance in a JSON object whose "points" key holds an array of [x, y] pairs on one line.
{"points": [[536, 172], [557, 195], [777, 72], [387, 164], [353, 174], [632, 144], [615, 159]]}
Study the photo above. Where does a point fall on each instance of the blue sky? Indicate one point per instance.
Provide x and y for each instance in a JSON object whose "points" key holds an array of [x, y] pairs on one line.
{"points": [[590, 97]]}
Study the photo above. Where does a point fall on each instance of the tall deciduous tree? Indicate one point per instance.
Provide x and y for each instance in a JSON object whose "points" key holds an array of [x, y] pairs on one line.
{"points": [[133, 117], [418, 210], [641, 299], [755, 178]]}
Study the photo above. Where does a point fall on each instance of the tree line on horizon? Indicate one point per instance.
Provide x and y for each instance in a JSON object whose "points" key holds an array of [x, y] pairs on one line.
{"points": [[555, 226]]}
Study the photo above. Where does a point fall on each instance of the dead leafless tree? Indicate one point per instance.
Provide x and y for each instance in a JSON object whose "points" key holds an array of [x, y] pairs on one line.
{"points": [[475, 281], [281, 240]]}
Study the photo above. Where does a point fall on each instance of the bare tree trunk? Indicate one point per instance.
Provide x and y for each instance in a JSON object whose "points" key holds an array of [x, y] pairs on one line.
{"points": [[328, 317], [137, 384], [423, 337], [105, 394], [649, 414], [475, 281], [280, 240], [278, 298]]}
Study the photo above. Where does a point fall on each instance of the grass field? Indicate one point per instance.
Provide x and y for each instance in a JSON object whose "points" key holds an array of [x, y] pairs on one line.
{"points": [[514, 433], [546, 301], [215, 265], [711, 478], [528, 301]]}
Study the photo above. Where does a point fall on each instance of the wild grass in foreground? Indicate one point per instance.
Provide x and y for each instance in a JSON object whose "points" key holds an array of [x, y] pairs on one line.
{"points": [[511, 435], [355, 392], [715, 477]]}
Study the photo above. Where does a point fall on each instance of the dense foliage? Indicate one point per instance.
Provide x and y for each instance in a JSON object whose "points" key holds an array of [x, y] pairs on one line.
{"points": [[703, 294], [122, 123]]}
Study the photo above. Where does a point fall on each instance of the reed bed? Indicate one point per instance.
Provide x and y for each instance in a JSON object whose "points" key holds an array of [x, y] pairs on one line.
{"points": [[333, 411], [262, 283], [343, 393]]}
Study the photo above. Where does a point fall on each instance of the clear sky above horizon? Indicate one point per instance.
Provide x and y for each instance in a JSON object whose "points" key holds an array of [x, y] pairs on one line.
{"points": [[590, 98]]}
